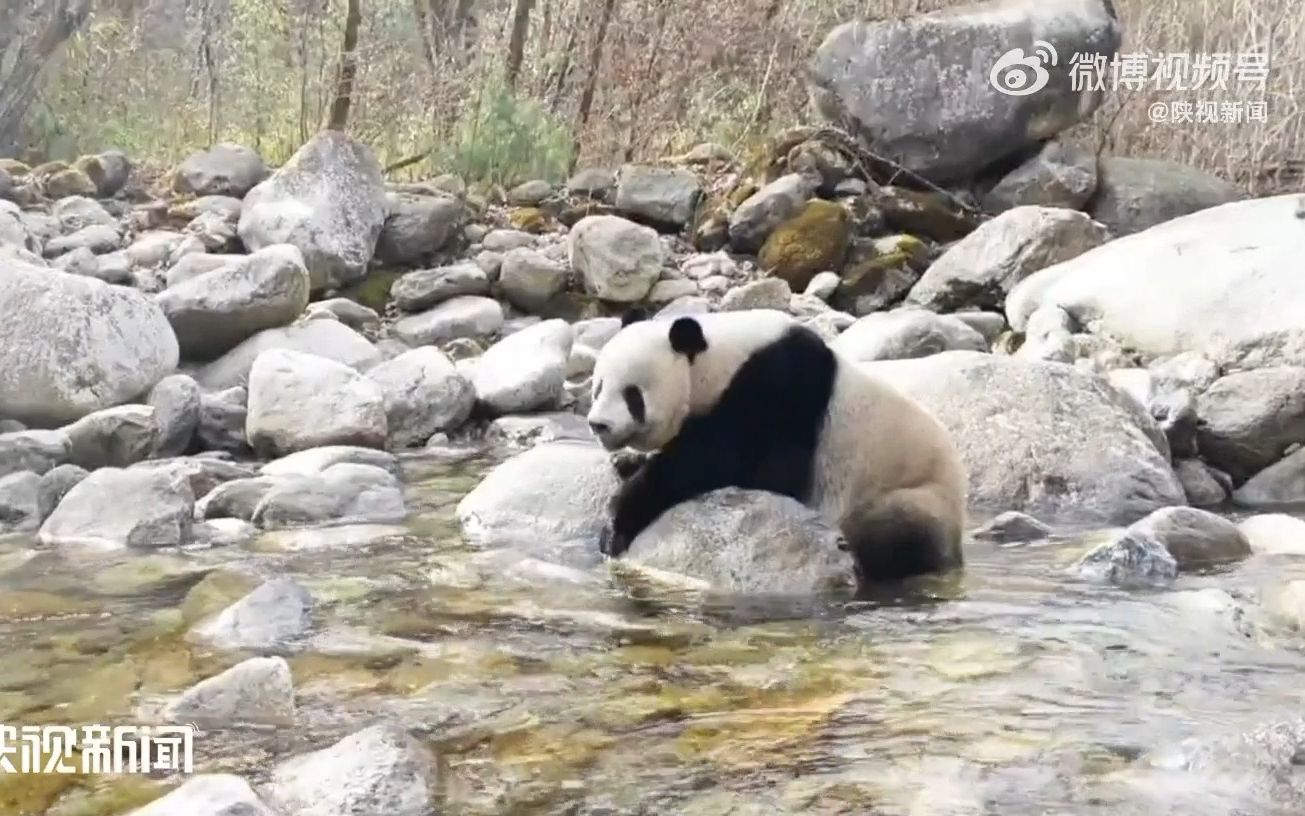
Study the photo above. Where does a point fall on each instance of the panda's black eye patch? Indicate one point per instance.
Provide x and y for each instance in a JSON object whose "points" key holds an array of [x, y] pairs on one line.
{"points": [[634, 402]]}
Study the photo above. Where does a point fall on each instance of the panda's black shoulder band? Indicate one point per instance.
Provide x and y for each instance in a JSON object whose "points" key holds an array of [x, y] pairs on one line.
{"points": [[633, 315], [687, 338]]}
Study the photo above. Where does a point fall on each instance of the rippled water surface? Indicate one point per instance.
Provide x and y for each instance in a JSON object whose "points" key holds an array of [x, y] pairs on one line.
{"points": [[1010, 690]]}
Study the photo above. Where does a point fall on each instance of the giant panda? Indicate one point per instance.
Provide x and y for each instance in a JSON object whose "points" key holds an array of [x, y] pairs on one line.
{"points": [[753, 399]]}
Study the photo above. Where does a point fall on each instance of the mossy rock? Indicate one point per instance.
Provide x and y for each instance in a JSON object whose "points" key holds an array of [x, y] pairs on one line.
{"points": [[813, 241], [528, 219], [14, 168], [69, 182], [880, 273], [373, 291], [932, 215]]}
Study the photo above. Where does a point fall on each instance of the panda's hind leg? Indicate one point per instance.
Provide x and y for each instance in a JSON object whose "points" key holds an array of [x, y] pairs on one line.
{"points": [[907, 533]]}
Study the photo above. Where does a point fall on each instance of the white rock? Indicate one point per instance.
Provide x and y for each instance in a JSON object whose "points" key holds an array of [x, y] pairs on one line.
{"points": [[530, 280], [1275, 534], [341, 494], [299, 401], [424, 394], [463, 316], [618, 260], [322, 338], [525, 371], [329, 201], [276, 613], [315, 460], [112, 509], [216, 311], [257, 690], [906, 333], [207, 795], [379, 770], [425, 288], [113, 437], [71, 345]]}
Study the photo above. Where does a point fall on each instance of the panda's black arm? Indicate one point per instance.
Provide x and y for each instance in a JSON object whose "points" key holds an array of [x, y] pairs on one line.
{"points": [[702, 458]]}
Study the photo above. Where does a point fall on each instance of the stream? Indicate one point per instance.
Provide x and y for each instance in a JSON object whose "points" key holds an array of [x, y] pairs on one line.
{"points": [[1011, 689]]}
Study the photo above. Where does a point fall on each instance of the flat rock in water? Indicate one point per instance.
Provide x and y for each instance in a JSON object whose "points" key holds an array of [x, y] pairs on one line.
{"points": [[236, 499], [340, 494], [323, 338], [1130, 561], [329, 201], [1012, 527], [112, 508], [549, 502], [299, 401], [379, 770], [257, 690], [876, 77], [1275, 534], [214, 312], [526, 370], [207, 795], [748, 542], [276, 613], [1225, 276], [1195, 538], [533, 429], [1042, 438], [315, 460], [71, 345]]}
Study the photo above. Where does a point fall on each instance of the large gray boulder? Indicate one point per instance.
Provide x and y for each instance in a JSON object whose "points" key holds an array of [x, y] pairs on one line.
{"points": [[980, 269], [112, 509], [618, 260], [549, 502], [329, 201], [1249, 419], [1059, 175], [924, 89], [71, 345], [1134, 194], [661, 195], [424, 394], [1222, 282], [1042, 438], [299, 401], [417, 227], [216, 311], [324, 338], [224, 169], [747, 541]]}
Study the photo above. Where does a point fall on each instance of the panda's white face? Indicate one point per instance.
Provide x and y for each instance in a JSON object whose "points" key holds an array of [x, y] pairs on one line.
{"points": [[641, 389]]}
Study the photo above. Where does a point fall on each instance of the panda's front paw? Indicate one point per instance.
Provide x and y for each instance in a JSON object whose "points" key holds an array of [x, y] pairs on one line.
{"points": [[611, 543]]}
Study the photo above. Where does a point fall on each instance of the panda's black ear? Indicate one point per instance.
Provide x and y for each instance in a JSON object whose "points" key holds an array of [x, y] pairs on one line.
{"points": [[634, 315], [687, 337]]}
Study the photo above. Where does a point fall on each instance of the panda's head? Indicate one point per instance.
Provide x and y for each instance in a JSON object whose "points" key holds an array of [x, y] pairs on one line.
{"points": [[642, 382]]}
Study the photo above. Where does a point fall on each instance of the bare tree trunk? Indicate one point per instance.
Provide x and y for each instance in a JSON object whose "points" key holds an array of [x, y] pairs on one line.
{"points": [[558, 80], [632, 139], [517, 42], [27, 51], [591, 84], [339, 116]]}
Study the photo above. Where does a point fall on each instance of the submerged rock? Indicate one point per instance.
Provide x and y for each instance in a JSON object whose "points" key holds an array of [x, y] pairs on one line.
{"points": [[1012, 527], [257, 690], [269, 618], [1195, 538], [208, 795], [379, 770], [340, 494], [745, 541], [1129, 561]]}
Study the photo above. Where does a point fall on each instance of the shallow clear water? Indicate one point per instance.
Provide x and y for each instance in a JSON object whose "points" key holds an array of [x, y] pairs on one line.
{"points": [[1010, 690]]}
